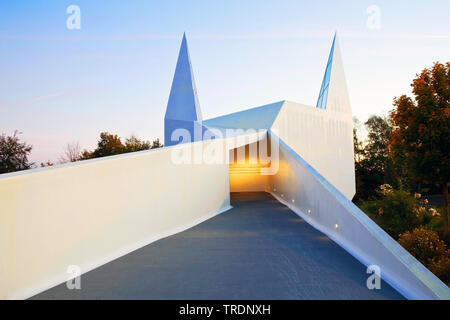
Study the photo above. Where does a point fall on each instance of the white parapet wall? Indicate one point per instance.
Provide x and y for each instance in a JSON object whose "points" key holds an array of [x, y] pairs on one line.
{"points": [[324, 138], [91, 212], [311, 196]]}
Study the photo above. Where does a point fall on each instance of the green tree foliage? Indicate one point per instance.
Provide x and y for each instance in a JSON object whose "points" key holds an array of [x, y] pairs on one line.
{"points": [[156, 144], [111, 144], [133, 144], [411, 220], [396, 211], [423, 244], [358, 146], [373, 166], [108, 145], [379, 131], [420, 141], [426, 247], [14, 153]]}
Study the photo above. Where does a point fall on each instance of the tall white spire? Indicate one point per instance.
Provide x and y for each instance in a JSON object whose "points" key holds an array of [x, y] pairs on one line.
{"points": [[323, 94], [337, 93], [183, 108]]}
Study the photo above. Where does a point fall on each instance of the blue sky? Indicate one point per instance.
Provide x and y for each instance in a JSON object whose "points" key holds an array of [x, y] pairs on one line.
{"points": [[114, 74]]}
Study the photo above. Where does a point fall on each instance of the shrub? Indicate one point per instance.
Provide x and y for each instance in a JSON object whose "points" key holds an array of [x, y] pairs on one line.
{"points": [[441, 268], [426, 247], [396, 211], [424, 244]]}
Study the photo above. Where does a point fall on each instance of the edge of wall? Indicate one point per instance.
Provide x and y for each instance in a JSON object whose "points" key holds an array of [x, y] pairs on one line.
{"points": [[5, 176], [436, 287], [340, 242]]}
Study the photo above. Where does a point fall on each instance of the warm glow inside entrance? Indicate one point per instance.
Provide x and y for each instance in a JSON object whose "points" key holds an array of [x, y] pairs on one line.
{"points": [[245, 168]]}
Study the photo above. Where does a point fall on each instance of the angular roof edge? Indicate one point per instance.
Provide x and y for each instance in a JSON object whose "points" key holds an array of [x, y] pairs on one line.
{"points": [[261, 117]]}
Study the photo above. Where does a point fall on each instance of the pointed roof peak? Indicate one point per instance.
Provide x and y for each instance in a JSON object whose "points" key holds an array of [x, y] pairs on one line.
{"points": [[333, 93], [183, 102], [335, 38], [334, 41], [183, 44], [323, 94]]}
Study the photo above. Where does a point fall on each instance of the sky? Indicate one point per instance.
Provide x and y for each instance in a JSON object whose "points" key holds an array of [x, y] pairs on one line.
{"points": [[61, 85]]}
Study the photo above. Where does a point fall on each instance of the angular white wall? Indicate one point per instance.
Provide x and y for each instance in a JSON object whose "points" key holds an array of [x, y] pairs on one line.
{"points": [[324, 138], [91, 212]]}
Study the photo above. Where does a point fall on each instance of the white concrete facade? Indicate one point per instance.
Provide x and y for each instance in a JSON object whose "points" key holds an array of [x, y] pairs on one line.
{"points": [[94, 211], [324, 138]]}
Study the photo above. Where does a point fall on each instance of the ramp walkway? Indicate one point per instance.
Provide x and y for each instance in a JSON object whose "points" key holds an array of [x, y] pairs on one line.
{"points": [[260, 249]]}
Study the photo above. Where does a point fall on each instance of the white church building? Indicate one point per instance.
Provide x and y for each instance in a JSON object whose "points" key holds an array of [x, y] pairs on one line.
{"points": [[92, 212]]}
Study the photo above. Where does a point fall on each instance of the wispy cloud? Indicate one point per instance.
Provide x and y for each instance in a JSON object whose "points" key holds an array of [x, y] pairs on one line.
{"points": [[46, 97], [224, 36]]}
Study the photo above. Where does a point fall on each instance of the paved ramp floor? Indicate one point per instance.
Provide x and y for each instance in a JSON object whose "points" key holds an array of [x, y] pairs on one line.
{"points": [[258, 250]]}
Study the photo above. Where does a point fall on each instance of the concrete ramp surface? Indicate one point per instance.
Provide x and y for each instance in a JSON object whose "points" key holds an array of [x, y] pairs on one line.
{"points": [[260, 249]]}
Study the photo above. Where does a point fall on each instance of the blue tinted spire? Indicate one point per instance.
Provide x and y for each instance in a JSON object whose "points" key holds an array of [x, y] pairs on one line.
{"points": [[183, 109], [183, 102], [323, 94]]}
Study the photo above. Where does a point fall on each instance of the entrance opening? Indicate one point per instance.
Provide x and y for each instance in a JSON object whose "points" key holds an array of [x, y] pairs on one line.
{"points": [[246, 163]]}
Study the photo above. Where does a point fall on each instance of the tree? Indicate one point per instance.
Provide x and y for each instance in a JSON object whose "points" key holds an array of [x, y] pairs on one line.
{"points": [[108, 145], [86, 154], [376, 151], [14, 154], [421, 138], [373, 166], [111, 144], [156, 144], [358, 148], [133, 144], [395, 211], [72, 153]]}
